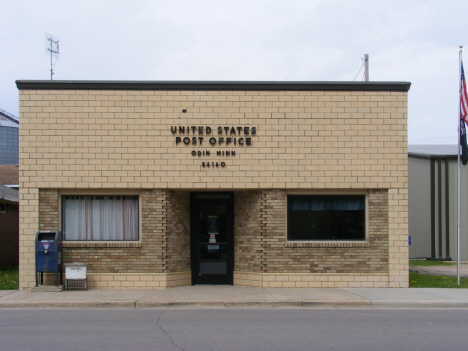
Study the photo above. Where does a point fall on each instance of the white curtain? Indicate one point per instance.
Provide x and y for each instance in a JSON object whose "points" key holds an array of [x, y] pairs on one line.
{"points": [[108, 218]]}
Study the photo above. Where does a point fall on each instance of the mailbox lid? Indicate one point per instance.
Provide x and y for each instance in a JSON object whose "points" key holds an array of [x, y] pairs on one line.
{"points": [[48, 236]]}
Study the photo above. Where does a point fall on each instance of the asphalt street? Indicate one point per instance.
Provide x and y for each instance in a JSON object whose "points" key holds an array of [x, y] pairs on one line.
{"points": [[233, 329]]}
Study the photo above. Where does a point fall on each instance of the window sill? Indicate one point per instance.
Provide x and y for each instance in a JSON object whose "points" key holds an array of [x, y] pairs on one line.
{"points": [[327, 244], [101, 244]]}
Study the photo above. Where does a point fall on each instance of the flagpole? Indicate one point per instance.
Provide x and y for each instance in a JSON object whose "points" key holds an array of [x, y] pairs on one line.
{"points": [[459, 126]]}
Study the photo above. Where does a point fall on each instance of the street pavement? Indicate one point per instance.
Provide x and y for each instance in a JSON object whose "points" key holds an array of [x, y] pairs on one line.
{"points": [[222, 296]]}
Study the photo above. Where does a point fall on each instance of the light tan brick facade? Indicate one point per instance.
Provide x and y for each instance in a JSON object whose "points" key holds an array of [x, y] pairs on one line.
{"points": [[298, 138]]}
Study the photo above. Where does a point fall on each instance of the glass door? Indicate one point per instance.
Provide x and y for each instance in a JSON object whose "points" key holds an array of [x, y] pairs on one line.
{"points": [[212, 238]]}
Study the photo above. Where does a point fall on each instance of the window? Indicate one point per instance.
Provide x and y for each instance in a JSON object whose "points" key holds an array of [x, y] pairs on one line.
{"points": [[103, 218], [326, 217], [3, 207]]}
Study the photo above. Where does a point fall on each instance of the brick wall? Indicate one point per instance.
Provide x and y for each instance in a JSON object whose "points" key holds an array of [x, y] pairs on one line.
{"points": [[48, 209], [304, 139], [329, 140], [165, 236], [281, 256], [178, 231], [148, 256], [247, 231], [259, 240], [261, 245]]}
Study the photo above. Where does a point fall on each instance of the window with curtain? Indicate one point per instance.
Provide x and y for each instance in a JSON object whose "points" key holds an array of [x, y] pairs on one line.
{"points": [[103, 218], [326, 217]]}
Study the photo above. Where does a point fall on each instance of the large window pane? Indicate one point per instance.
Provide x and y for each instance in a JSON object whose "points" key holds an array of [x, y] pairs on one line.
{"points": [[108, 218], [326, 217]]}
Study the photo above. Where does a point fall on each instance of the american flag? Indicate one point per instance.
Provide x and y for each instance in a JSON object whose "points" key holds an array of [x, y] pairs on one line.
{"points": [[463, 97], [463, 117]]}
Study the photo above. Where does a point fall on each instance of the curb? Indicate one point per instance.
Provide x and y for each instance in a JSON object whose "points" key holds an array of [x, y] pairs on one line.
{"points": [[187, 304], [68, 304], [383, 304], [420, 304], [338, 304], [178, 304]]}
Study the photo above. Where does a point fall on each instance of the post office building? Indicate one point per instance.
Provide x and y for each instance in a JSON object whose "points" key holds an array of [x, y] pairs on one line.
{"points": [[264, 184]]}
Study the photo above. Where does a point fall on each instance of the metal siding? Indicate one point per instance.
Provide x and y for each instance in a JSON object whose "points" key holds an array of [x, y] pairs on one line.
{"points": [[9, 137], [453, 176], [463, 213], [464, 216], [419, 198]]}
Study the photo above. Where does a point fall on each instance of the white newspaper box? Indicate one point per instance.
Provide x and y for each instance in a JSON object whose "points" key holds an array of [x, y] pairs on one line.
{"points": [[76, 276]]}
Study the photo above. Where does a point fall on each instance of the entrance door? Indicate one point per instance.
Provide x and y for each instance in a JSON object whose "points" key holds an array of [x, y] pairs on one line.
{"points": [[212, 228]]}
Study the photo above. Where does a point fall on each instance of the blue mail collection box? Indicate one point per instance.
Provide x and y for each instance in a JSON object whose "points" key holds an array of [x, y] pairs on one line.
{"points": [[49, 254]]}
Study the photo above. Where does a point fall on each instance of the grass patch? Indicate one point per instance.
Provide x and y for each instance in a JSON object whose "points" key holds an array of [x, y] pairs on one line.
{"points": [[9, 278], [431, 263], [417, 280]]}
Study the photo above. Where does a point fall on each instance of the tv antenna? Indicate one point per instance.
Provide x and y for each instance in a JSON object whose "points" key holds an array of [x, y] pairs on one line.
{"points": [[52, 47]]}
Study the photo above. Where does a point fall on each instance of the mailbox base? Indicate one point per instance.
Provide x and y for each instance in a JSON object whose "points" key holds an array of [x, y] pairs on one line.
{"points": [[76, 284], [47, 288]]}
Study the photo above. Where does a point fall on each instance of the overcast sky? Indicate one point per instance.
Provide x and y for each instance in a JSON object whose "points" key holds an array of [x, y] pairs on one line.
{"points": [[257, 40]]}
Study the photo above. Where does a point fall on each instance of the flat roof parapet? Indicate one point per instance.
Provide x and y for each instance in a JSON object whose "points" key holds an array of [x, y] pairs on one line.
{"points": [[211, 85]]}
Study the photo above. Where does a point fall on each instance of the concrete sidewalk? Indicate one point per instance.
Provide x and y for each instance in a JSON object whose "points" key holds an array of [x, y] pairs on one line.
{"points": [[210, 296]]}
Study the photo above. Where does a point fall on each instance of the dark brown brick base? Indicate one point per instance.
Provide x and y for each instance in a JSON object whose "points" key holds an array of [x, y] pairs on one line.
{"points": [[259, 238]]}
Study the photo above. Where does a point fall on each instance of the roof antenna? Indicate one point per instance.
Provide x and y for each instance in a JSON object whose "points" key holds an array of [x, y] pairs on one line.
{"points": [[366, 67], [53, 48], [365, 64]]}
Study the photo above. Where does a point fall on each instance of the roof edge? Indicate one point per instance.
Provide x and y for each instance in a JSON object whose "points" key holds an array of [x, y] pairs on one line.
{"points": [[9, 198], [9, 116], [431, 157], [211, 85], [7, 194]]}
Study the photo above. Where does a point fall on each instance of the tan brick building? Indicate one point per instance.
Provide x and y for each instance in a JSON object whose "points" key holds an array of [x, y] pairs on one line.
{"points": [[269, 184]]}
